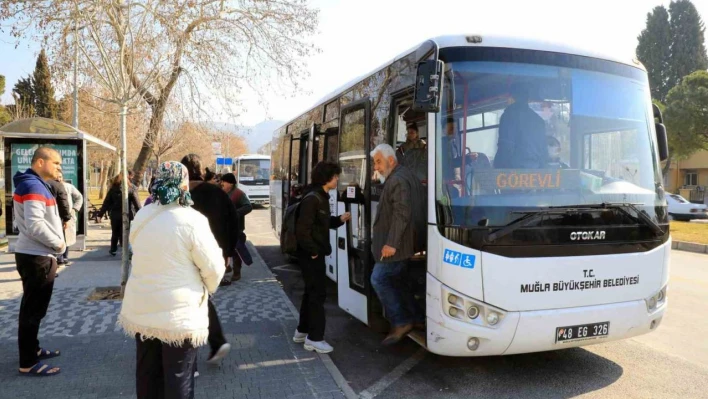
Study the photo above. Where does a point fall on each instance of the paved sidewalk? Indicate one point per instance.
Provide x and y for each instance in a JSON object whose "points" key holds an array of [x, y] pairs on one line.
{"points": [[98, 360]]}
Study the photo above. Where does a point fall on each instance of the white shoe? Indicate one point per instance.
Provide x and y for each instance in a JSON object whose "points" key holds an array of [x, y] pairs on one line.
{"points": [[318, 346], [299, 337], [220, 354], [196, 374]]}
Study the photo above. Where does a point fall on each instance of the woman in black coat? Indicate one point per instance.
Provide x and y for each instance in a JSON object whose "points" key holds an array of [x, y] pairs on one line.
{"points": [[113, 205]]}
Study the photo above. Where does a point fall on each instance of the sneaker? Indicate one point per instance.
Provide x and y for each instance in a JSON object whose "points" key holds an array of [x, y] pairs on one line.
{"points": [[196, 374], [299, 337], [318, 346]]}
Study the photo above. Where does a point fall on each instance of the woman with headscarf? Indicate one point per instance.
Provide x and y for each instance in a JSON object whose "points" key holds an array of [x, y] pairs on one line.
{"points": [[177, 264]]}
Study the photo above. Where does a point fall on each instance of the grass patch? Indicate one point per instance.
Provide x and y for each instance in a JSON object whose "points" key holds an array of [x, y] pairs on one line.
{"points": [[689, 232]]}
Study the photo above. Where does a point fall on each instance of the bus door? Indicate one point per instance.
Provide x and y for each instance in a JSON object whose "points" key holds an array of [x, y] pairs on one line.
{"points": [[297, 167], [324, 148], [354, 260]]}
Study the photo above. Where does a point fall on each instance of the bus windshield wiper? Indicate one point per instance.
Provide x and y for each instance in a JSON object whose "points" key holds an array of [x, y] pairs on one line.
{"points": [[529, 216], [622, 206], [533, 215]]}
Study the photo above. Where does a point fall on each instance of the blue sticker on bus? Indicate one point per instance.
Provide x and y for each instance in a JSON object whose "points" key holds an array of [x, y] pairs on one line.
{"points": [[458, 259], [452, 257], [467, 261]]}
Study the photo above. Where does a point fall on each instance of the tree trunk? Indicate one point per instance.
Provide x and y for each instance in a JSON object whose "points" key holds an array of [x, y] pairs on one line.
{"points": [[125, 259], [111, 173], [102, 178], [158, 114]]}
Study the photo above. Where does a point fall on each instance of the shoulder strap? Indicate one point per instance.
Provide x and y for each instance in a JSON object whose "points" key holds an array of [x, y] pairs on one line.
{"points": [[313, 194], [161, 208]]}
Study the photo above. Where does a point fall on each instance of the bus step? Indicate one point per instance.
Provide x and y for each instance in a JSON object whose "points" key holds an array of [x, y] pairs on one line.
{"points": [[418, 337]]}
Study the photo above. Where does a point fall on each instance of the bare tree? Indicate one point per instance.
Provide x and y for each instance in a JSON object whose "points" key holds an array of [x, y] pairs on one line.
{"points": [[166, 141], [111, 31], [211, 48], [145, 49]]}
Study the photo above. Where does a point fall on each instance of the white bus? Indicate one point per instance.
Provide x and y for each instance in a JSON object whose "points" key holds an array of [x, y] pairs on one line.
{"points": [[528, 249], [253, 177]]}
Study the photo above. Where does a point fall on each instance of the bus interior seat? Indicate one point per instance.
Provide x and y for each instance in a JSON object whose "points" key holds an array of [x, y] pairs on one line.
{"points": [[474, 161]]}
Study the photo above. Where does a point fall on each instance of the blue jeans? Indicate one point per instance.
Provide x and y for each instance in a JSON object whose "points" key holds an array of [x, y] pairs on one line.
{"points": [[389, 282]]}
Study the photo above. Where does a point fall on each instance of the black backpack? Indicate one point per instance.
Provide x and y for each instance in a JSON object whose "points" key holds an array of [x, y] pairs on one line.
{"points": [[288, 240]]}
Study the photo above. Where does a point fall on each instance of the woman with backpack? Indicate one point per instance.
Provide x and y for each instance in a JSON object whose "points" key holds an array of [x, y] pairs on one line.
{"points": [[313, 221]]}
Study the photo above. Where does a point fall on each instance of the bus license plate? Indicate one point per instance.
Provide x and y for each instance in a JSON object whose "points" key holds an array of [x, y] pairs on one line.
{"points": [[582, 332]]}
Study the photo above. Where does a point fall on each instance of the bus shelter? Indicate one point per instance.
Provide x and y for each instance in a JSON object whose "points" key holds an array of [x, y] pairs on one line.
{"points": [[19, 141]]}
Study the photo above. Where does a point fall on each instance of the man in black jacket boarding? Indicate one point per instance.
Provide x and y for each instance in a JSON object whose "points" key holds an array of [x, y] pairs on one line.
{"points": [[312, 232]]}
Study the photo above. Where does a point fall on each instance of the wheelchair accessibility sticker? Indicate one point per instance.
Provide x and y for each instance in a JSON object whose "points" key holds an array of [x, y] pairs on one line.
{"points": [[459, 259]]}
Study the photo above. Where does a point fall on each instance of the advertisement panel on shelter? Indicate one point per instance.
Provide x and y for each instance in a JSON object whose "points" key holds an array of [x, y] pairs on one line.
{"points": [[21, 160]]}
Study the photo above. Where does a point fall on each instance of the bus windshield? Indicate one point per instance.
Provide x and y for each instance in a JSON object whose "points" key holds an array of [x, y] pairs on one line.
{"points": [[514, 137], [252, 171]]}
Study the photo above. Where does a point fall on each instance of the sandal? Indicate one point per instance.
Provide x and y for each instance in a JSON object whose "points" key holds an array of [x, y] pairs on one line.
{"points": [[45, 354], [41, 370], [224, 282]]}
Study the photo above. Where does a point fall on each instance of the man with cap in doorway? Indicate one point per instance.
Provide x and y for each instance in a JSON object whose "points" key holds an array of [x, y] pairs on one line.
{"points": [[413, 141], [243, 207]]}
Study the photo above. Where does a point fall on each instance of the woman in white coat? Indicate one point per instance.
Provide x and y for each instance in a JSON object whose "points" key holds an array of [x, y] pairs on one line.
{"points": [[177, 264]]}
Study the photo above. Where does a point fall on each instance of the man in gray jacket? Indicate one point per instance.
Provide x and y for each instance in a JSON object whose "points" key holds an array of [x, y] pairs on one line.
{"points": [[40, 239], [76, 202], [399, 232]]}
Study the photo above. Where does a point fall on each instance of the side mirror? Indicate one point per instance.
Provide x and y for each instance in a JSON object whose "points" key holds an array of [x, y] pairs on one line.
{"points": [[662, 141], [428, 84], [657, 113]]}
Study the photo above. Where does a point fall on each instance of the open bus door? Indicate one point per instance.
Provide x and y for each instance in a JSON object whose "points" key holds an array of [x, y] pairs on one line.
{"points": [[324, 148], [353, 238]]}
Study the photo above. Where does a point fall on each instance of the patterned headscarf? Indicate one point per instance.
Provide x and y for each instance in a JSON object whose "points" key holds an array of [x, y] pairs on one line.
{"points": [[171, 184]]}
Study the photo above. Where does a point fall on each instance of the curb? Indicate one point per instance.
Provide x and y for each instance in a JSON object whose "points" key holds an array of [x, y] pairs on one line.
{"points": [[690, 247], [329, 364]]}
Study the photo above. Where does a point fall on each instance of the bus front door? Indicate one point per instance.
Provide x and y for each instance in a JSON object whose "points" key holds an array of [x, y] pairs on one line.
{"points": [[353, 238]]}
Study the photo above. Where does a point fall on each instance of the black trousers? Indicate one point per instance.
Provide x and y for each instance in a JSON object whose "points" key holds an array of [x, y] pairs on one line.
{"points": [[312, 312], [163, 371], [37, 274], [116, 233], [216, 333], [63, 258]]}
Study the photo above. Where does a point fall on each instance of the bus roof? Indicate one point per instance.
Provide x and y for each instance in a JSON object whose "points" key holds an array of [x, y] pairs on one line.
{"points": [[253, 156], [499, 41]]}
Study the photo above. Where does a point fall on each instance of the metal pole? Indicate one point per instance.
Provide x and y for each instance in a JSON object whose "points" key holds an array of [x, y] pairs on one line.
{"points": [[125, 250], [76, 67]]}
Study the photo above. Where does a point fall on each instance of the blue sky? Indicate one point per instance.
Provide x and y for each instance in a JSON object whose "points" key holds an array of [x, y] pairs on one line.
{"points": [[368, 33]]}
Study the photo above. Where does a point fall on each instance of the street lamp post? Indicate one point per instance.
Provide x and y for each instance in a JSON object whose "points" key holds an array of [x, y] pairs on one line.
{"points": [[76, 73]]}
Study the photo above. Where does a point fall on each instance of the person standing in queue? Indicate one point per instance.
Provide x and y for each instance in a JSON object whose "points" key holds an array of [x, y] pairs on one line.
{"points": [[312, 233], [39, 242], [212, 202], [243, 207]]}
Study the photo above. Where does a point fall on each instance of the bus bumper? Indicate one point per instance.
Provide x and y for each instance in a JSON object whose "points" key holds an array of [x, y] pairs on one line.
{"points": [[531, 331]]}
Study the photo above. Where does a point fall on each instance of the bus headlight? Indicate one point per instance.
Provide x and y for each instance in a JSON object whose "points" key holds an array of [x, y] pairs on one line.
{"points": [[468, 310], [452, 299], [657, 300], [492, 318]]}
